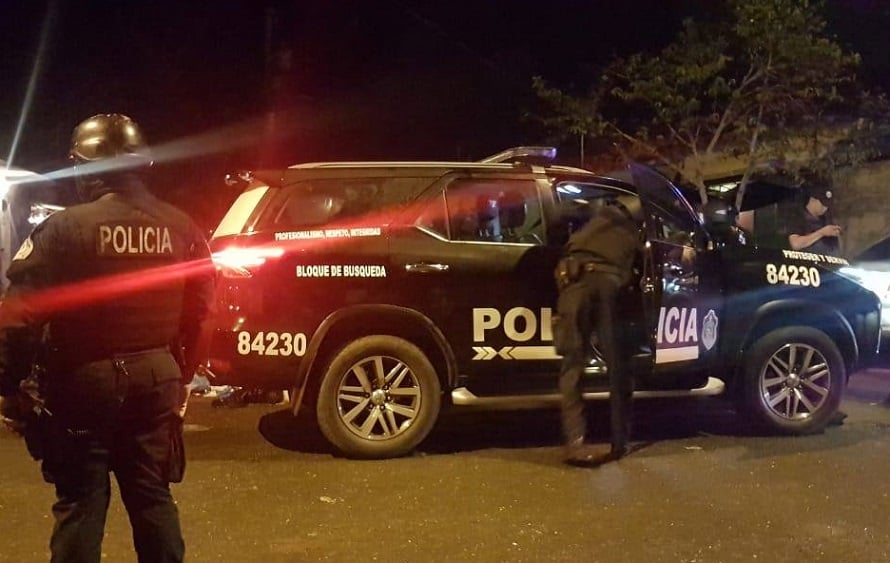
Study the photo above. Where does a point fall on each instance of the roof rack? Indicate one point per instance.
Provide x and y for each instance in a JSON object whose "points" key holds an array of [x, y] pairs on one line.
{"points": [[523, 155]]}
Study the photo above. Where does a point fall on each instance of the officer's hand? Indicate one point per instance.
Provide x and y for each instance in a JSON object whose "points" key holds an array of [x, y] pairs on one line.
{"points": [[11, 407], [831, 231], [12, 414], [184, 393]]}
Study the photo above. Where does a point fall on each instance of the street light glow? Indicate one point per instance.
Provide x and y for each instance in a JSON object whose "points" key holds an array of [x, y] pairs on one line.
{"points": [[11, 176]]}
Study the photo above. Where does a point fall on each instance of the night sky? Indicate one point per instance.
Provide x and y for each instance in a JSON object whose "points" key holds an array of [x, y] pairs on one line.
{"points": [[346, 79]]}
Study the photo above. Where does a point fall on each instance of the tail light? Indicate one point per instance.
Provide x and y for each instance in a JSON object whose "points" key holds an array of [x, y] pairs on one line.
{"points": [[241, 262]]}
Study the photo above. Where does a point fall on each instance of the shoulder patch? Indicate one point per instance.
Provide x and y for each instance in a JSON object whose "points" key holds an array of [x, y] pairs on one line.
{"points": [[24, 250]]}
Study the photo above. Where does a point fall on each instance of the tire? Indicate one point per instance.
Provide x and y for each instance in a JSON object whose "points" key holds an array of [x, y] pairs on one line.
{"points": [[379, 398], [793, 381]]}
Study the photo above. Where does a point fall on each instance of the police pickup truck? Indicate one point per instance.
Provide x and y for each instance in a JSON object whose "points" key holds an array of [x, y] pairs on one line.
{"points": [[380, 293]]}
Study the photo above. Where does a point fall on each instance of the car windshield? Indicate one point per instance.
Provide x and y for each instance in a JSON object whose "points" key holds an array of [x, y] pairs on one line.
{"points": [[236, 217]]}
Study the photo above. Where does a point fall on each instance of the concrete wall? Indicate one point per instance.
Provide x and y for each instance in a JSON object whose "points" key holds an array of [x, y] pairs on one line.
{"points": [[863, 205]]}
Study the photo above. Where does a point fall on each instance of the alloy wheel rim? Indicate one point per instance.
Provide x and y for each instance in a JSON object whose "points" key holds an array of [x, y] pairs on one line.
{"points": [[378, 398], [795, 382]]}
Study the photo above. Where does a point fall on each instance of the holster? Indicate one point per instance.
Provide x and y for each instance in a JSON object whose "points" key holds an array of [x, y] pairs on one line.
{"points": [[568, 271], [178, 352], [174, 468], [37, 418]]}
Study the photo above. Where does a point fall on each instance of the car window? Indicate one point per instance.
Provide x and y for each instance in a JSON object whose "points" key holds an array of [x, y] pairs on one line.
{"points": [[433, 216], [578, 202], [491, 210], [671, 226], [657, 189], [321, 201]]}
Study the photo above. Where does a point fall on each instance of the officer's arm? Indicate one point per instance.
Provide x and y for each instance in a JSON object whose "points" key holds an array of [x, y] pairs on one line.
{"points": [[799, 242], [21, 313], [796, 232], [198, 307]]}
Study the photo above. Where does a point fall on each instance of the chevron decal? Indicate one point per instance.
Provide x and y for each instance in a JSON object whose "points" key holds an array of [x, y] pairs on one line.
{"points": [[515, 353], [484, 353]]}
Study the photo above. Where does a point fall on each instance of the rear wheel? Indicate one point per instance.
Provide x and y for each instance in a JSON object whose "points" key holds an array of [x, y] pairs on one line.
{"points": [[794, 378], [379, 398]]}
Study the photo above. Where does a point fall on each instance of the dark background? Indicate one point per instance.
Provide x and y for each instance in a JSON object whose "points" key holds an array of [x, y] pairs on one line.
{"points": [[233, 84]]}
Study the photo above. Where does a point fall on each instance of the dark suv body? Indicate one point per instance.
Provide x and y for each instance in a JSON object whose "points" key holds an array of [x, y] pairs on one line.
{"points": [[380, 292]]}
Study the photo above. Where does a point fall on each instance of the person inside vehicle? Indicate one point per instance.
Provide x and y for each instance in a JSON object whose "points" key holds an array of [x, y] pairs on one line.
{"points": [[473, 217], [512, 217], [812, 229]]}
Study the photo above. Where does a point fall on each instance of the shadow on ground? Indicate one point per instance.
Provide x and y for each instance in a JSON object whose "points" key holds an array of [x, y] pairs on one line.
{"points": [[656, 420], [301, 434], [653, 421], [461, 430]]}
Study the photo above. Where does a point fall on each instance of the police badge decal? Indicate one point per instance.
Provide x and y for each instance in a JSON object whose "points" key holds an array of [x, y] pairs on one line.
{"points": [[709, 330]]}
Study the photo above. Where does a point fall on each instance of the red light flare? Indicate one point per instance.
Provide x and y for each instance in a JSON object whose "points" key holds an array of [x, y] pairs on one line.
{"points": [[43, 303]]}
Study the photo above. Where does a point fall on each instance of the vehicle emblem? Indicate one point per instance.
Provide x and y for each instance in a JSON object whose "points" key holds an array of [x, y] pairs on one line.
{"points": [[709, 330]]}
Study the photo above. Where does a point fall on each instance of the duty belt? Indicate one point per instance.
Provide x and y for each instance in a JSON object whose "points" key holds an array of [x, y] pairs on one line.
{"points": [[119, 361], [67, 360], [138, 354], [572, 266]]}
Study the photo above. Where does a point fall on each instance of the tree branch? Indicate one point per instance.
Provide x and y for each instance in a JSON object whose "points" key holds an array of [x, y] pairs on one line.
{"points": [[698, 182], [752, 148]]}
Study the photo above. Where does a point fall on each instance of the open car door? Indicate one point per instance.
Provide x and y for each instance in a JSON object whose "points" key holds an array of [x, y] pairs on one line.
{"points": [[681, 279]]}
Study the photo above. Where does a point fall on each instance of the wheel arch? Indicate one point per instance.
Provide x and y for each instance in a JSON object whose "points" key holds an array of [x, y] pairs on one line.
{"points": [[797, 312], [348, 324]]}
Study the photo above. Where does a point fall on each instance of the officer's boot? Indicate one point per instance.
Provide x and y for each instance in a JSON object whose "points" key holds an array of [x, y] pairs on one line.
{"points": [[573, 430], [574, 426], [621, 416]]}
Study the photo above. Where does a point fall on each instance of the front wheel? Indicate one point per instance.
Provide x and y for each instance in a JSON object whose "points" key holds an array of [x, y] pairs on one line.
{"points": [[794, 378], [379, 398]]}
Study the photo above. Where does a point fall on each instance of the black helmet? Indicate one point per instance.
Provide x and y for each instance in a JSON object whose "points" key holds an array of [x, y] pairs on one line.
{"points": [[103, 144]]}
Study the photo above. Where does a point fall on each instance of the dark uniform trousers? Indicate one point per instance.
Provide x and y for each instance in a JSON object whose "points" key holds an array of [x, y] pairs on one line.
{"points": [[584, 306], [115, 415]]}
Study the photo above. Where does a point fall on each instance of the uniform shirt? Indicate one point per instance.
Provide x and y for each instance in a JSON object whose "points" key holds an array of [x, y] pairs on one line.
{"points": [[805, 223], [612, 236], [123, 273]]}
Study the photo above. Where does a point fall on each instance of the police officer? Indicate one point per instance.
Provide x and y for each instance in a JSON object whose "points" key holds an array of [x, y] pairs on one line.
{"points": [[114, 297], [811, 228], [597, 264]]}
